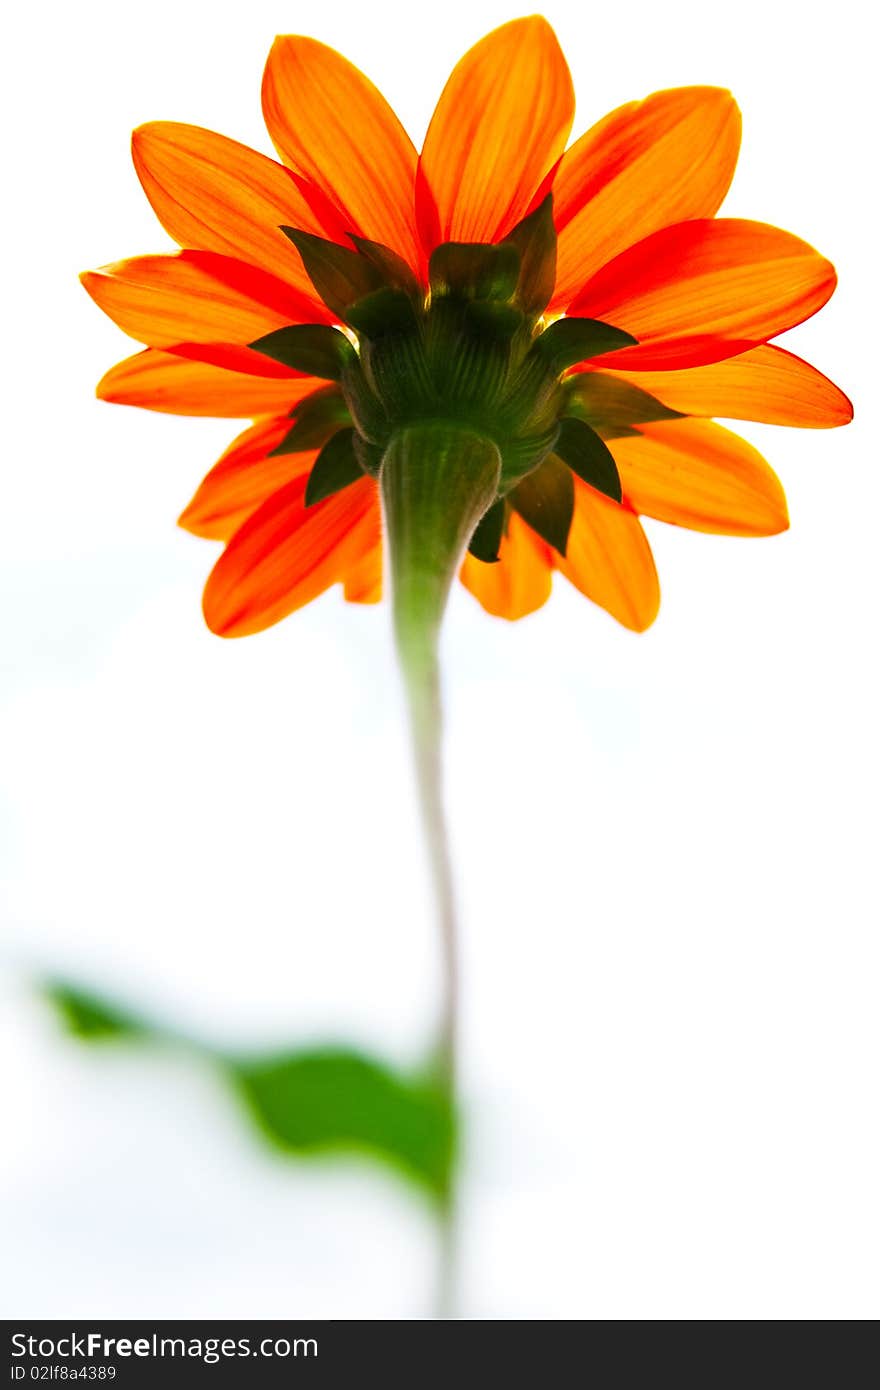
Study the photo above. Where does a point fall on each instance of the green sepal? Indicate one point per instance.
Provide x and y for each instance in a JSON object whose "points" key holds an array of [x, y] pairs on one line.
{"points": [[313, 348], [486, 540], [474, 270], [341, 277], [522, 453], [384, 311], [587, 455], [571, 340], [612, 406], [491, 319], [334, 469], [545, 500], [535, 240], [395, 272], [367, 411], [369, 456], [315, 419]]}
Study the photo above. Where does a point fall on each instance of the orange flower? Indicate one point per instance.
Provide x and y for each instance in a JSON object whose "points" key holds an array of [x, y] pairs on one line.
{"points": [[637, 246]]}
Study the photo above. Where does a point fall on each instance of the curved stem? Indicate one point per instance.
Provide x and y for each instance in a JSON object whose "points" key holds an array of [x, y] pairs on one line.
{"points": [[437, 481], [423, 691]]}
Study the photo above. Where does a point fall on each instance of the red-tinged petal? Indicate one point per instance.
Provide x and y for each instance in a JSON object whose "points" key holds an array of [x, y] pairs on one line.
{"points": [[500, 126], [213, 194], [647, 165], [241, 481], [766, 384], [194, 297], [286, 554], [609, 559], [363, 581], [520, 580], [705, 290], [696, 474], [241, 360], [330, 124], [163, 381]]}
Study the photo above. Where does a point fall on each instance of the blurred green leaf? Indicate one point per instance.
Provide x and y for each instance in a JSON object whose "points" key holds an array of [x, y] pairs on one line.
{"points": [[334, 1098], [88, 1017], [310, 1101]]}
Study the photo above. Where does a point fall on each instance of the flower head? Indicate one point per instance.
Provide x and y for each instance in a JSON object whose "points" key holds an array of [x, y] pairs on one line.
{"points": [[580, 313]]}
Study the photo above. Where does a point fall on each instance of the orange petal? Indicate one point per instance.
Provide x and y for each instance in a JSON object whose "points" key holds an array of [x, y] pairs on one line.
{"points": [[213, 194], [176, 385], [645, 166], [363, 582], [286, 554], [500, 125], [609, 559], [241, 481], [704, 290], [696, 474], [330, 124], [193, 297], [520, 581], [766, 384]]}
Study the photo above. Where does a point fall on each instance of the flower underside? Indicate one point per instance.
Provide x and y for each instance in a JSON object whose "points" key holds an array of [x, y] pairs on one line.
{"points": [[376, 311], [473, 352]]}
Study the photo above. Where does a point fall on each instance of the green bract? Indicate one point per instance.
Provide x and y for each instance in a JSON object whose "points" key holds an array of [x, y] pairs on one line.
{"points": [[471, 353]]}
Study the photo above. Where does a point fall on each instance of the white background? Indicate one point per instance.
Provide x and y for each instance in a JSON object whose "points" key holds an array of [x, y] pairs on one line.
{"points": [[666, 844]]}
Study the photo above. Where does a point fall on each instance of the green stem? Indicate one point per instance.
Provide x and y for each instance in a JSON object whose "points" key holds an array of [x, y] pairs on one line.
{"points": [[423, 692], [437, 481]]}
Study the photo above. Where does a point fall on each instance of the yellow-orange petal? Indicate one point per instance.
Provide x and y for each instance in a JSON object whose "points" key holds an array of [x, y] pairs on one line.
{"points": [[193, 297], [330, 124], [363, 580], [500, 126], [520, 580], [766, 384], [213, 194], [706, 289], [286, 554], [696, 474], [157, 380], [241, 480], [608, 559], [645, 166]]}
